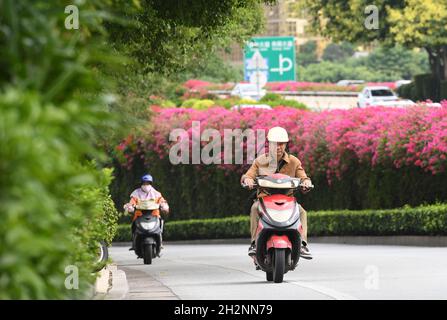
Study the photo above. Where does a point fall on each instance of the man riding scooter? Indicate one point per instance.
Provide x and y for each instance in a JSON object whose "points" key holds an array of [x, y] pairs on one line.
{"points": [[276, 161], [145, 193]]}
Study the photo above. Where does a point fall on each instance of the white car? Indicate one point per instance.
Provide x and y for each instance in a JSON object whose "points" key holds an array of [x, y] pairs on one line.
{"points": [[247, 91], [381, 96]]}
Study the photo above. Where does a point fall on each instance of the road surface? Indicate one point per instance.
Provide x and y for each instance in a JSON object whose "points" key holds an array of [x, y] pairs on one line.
{"points": [[319, 103], [222, 271]]}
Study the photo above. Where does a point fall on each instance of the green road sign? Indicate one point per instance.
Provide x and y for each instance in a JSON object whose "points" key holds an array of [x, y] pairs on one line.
{"points": [[272, 58]]}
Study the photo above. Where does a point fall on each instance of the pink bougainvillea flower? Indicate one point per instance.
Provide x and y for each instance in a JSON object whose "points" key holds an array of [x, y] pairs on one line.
{"points": [[327, 142]]}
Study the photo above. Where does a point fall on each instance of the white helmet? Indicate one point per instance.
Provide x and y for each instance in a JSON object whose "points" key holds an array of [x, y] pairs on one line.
{"points": [[278, 134]]}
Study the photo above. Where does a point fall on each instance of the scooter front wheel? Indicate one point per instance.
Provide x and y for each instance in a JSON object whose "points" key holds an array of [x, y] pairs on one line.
{"points": [[279, 264], [147, 253], [269, 276]]}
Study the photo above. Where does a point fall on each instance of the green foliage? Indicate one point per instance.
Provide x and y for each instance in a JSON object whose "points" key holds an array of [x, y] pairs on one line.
{"points": [[167, 104], [347, 19], [43, 200], [424, 87], [124, 233], [443, 92], [198, 104], [362, 187], [270, 96], [107, 213], [232, 227], [189, 103], [212, 68], [326, 71], [39, 54], [307, 53], [426, 31], [412, 23], [287, 103], [422, 220], [273, 100], [338, 52], [382, 64], [167, 36], [167, 47], [53, 201], [397, 62], [407, 91], [247, 101], [227, 103], [203, 104], [421, 89]]}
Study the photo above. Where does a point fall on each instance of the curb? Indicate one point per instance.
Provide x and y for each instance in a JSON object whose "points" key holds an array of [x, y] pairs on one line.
{"points": [[142, 286], [119, 284], [418, 241], [103, 281], [414, 241]]}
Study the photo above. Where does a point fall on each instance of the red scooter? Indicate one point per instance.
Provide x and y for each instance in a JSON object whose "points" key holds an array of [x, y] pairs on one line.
{"points": [[278, 238]]}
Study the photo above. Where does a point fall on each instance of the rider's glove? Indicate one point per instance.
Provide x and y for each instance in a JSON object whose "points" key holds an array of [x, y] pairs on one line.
{"points": [[129, 208]]}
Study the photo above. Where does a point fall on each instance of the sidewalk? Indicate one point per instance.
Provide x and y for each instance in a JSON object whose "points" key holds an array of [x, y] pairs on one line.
{"points": [[110, 284], [128, 284], [141, 286]]}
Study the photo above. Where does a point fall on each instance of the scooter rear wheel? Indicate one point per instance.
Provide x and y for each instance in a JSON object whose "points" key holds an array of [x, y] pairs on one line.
{"points": [[147, 253], [269, 276], [279, 264]]}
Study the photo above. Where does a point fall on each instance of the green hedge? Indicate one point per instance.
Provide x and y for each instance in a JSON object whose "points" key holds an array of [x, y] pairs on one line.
{"points": [[422, 220], [361, 188], [443, 90], [222, 228], [422, 88], [275, 100], [54, 203]]}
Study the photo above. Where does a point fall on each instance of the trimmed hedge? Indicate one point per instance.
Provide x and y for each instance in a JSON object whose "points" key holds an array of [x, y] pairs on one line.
{"points": [[222, 228], [422, 88], [443, 90], [361, 188], [422, 220]]}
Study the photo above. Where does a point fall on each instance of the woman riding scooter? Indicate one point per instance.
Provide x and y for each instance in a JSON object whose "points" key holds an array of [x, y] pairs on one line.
{"points": [[144, 193]]}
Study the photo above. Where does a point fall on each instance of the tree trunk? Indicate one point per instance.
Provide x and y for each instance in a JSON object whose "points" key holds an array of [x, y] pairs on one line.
{"points": [[437, 58], [444, 62], [442, 91]]}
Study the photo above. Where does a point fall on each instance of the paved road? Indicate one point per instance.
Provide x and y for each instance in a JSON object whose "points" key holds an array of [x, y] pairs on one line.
{"points": [[337, 272], [318, 103]]}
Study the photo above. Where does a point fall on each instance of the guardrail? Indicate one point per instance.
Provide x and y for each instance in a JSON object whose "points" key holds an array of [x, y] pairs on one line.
{"points": [[301, 93]]}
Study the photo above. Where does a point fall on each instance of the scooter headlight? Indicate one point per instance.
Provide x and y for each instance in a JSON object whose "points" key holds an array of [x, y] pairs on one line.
{"points": [[148, 225]]}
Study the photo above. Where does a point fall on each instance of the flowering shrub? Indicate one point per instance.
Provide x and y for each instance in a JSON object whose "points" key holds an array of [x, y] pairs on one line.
{"points": [[197, 85], [391, 85], [327, 142]]}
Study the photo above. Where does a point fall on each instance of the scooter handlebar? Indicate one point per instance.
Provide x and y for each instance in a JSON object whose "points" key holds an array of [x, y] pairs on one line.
{"points": [[246, 186]]}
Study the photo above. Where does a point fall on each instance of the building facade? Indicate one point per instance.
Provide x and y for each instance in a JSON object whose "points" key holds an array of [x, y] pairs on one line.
{"points": [[284, 18]]}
